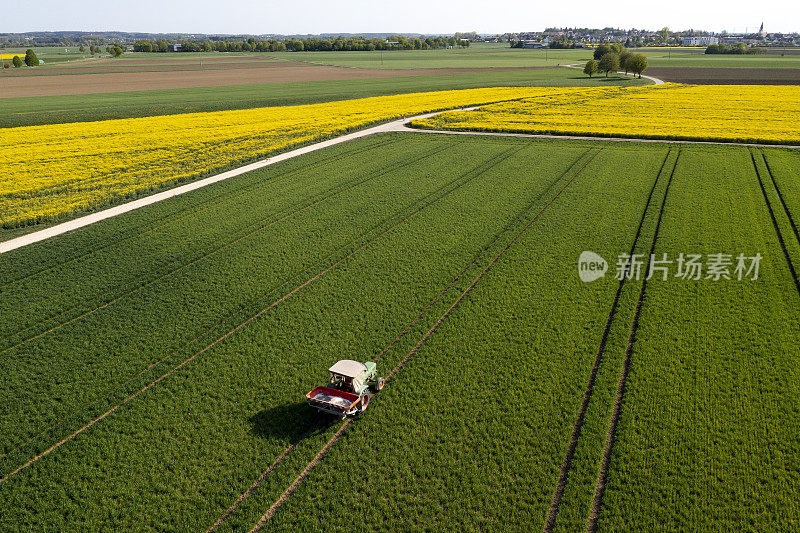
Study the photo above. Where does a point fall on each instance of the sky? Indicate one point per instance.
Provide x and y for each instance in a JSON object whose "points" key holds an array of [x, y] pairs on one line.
{"points": [[405, 16]]}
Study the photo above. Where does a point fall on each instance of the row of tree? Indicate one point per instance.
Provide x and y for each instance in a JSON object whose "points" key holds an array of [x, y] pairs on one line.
{"points": [[313, 44], [30, 59], [613, 61], [736, 49]]}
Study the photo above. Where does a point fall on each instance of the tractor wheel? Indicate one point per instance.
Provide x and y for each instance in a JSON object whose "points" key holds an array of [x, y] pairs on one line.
{"points": [[379, 383], [365, 402]]}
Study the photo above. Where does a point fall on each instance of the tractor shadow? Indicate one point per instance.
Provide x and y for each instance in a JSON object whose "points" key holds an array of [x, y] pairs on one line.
{"points": [[289, 421]]}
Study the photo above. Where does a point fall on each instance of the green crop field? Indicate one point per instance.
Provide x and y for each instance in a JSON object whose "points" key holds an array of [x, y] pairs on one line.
{"points": [[30, 111], [154, 365]]}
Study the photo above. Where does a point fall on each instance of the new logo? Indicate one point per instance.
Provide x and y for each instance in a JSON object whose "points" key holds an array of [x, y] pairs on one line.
{"points": [[591, 266]]}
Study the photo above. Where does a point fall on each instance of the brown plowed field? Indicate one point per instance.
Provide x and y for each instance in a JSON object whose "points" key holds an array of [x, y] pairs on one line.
{"points": [[727, 76], [143, 66], [16, 86]]}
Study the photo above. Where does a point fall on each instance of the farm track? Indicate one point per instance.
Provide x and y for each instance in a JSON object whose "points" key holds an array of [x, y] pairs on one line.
{"points": [[328, 445], [422, 204], [188, 211], [402, 334], [561, 484], [775, 224], [597, 500], [204, 255]]}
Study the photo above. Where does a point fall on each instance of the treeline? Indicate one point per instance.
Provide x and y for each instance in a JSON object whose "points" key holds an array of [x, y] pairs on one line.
{"points": [[560, 44], [736, 49], [613, 57], [312, 44]]}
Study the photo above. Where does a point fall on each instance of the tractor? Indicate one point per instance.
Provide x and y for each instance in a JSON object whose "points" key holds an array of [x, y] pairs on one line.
{"points": [[348, 391]]}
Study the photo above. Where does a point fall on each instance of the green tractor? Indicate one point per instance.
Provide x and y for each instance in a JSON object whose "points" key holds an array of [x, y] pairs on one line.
{"points": [[348, 391]]}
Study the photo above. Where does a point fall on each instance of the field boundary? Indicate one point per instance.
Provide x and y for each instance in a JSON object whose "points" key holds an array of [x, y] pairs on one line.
{"points": [[86, 220], [398, 125], [561, 484], [666, 140], [597, 500], [266, 517], [185, 212]]}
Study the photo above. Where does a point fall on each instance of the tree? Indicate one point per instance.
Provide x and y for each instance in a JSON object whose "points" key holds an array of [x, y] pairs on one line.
{"points": [[590, 68], [601, 50], [30, 58], [609, 63], [142, 46], [664, 34], [82, 48], [624, 57], [116, 51], [17, 62], [637, 64]]}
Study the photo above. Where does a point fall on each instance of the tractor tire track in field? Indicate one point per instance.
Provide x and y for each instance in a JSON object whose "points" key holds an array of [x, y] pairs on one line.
{"points": [[780, 197], [402, 334], [775, 224], [196, 209], [266, 517], [597, 499], [423, 204], [226, 243], [477, 256], [561, 484], [206, 332]]}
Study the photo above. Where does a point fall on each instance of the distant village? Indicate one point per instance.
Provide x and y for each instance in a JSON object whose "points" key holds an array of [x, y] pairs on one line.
{"points": [[549, 38], [583, 37]]}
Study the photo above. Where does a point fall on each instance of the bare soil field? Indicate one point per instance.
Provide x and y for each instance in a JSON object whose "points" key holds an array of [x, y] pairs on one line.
{"points": [[144, 66], [727, 76], [91, 83]]}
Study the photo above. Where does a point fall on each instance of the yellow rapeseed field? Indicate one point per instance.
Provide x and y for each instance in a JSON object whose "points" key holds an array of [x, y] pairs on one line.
{"points": [[83, 165], [740, 113]]}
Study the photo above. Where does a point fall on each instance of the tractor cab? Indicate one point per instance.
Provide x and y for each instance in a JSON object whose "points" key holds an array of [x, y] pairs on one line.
{"points": [[347, 392]]}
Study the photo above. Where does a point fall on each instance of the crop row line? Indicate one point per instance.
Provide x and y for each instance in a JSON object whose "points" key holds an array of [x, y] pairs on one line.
{"points": [[193, 210], [477, 256], [310, 466], [778, 231], [305, 434], [785, 209], [577, 426], [431, 198], [156, 363], [331, 193], [597, 499]]}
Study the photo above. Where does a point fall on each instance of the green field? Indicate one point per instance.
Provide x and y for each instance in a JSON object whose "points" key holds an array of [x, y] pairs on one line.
{"points": [[52, 54], [31, 111], [186, 335]]}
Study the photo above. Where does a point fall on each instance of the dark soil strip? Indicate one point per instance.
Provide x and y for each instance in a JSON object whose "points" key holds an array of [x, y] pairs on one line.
{"points": [[727, 75], [780, 196], [587, 395], [288, 492], [597, 502], [775, 225]]}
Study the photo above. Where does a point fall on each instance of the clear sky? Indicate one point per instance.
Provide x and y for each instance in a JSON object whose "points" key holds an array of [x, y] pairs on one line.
{"points": [[406, 16]]}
